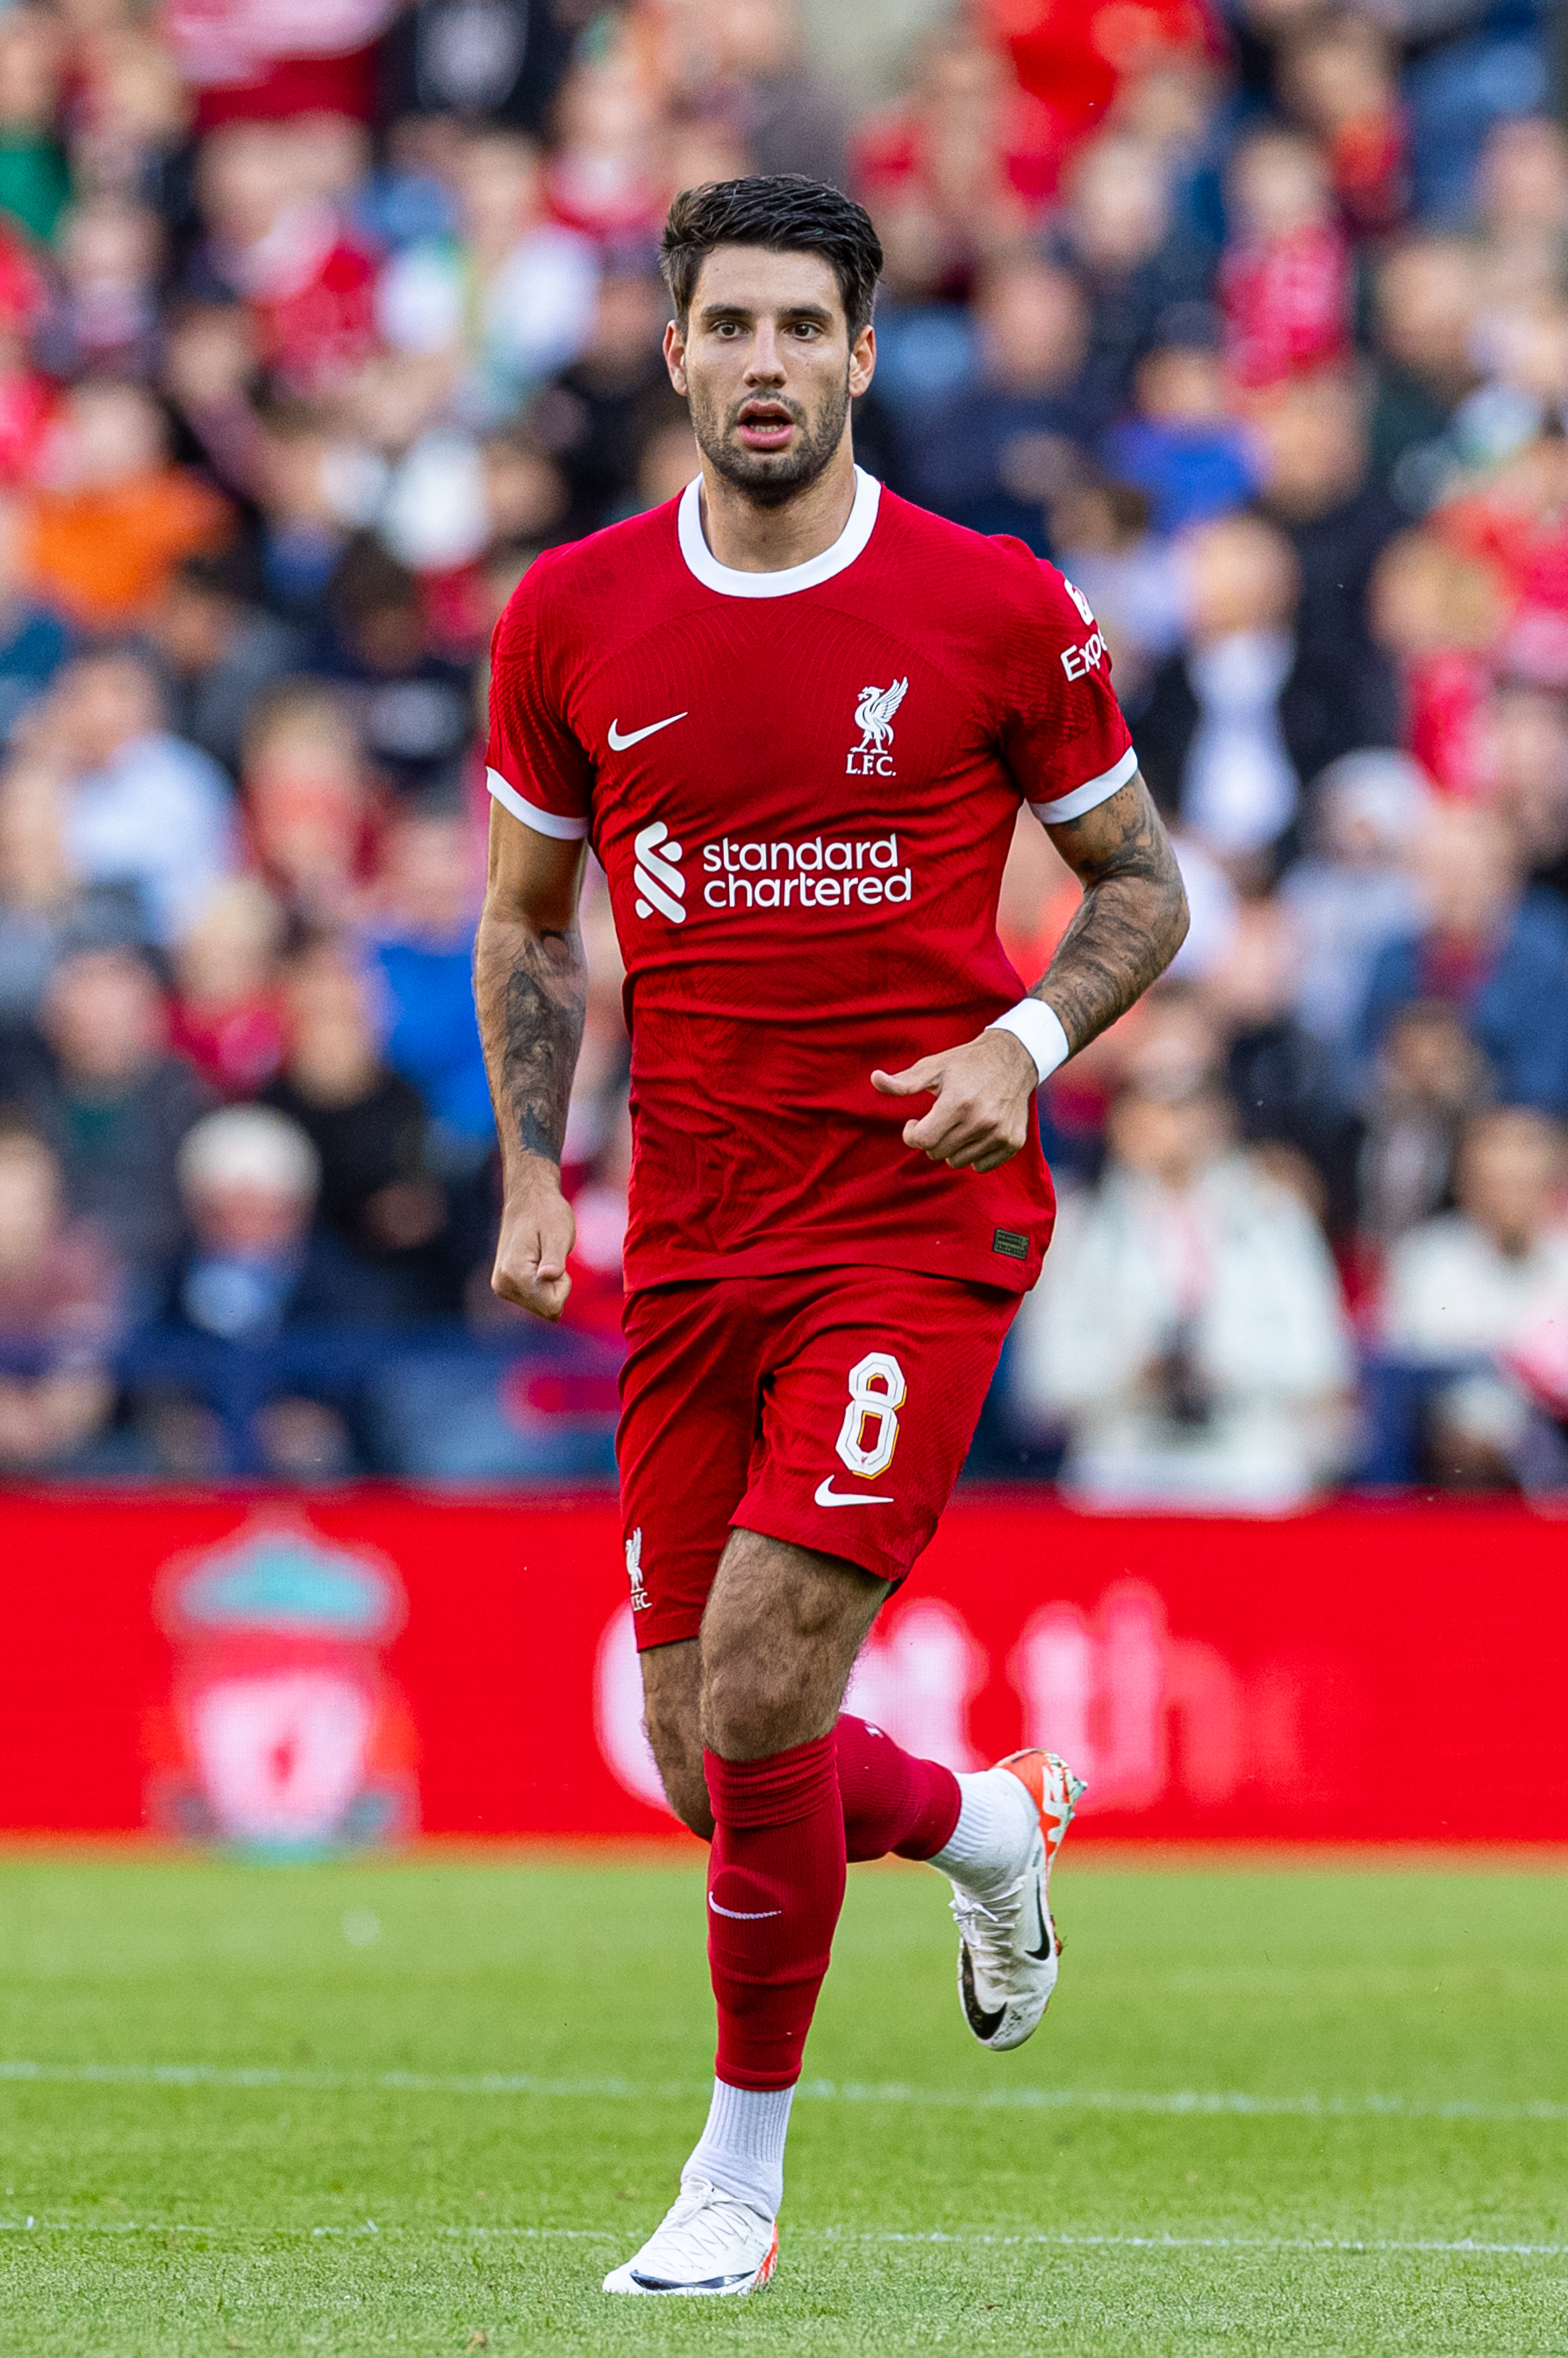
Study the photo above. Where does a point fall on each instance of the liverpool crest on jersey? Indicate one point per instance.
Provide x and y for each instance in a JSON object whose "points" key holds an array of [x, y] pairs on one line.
{"points": [[873, 718]]}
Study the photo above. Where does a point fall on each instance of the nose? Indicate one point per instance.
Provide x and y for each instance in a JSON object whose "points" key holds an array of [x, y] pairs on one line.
{"points": [[765, 365]]}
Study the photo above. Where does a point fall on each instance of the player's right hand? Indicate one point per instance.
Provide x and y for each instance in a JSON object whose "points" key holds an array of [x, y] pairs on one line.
{"points": [[537, 1232]]}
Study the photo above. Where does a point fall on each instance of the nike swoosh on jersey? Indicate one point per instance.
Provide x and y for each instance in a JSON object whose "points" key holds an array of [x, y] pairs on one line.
{"points": [[827, 1496], [617, 743], [744, 1915]]}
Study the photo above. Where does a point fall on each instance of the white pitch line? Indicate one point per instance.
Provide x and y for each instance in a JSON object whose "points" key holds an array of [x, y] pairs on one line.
{"points": [[1469, 2246], [1181, 2103]]}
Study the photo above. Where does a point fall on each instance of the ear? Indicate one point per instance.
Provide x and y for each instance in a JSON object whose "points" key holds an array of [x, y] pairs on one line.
{"points": [[862, 360], [675, 356]]}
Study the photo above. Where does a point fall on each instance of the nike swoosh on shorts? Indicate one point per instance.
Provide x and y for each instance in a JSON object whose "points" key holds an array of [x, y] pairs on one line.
{"points": [[617, 743], [827, 1496]]}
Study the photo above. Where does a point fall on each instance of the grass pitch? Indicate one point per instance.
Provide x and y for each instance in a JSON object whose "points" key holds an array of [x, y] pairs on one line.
{"points": [[424, 2105]]}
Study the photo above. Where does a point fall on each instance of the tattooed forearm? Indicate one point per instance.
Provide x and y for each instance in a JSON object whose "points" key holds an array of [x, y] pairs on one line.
{"points": [[1132, 920], [531, 989]]}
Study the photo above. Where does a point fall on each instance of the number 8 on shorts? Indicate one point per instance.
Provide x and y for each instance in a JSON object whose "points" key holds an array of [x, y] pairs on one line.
{"points": [[876, 1394]]}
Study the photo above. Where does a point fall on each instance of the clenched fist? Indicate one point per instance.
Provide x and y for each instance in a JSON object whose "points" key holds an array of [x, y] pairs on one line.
{"points": [[537, 1232]]}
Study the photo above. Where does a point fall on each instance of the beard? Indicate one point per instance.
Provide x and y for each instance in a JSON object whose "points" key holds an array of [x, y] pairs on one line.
{"points": [[769, 478]]}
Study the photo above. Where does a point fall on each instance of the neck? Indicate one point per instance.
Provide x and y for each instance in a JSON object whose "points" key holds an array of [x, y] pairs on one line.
{"points": [[750, 538]]}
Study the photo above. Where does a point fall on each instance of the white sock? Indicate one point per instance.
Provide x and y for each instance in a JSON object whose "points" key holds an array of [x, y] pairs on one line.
{"points": [[990, 1843], [742, 2149]]}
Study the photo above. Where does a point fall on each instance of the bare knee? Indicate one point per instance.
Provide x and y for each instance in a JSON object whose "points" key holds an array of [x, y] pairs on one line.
{"points": [[671, 1692]]}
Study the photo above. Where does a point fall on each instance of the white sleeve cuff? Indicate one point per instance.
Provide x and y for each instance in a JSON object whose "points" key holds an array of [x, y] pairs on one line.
{"points": [[542, 822], [1089, 795], [1040, 1029]]}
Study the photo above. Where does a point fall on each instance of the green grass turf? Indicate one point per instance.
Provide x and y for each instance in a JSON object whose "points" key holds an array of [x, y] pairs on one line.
{"points": [[1086, 2208]]}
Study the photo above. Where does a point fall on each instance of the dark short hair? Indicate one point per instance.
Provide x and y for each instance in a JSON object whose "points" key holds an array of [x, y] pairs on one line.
{"points": [[784, 213]]}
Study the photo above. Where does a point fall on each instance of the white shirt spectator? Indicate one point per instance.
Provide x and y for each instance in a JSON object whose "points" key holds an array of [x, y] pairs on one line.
{"points": [[157, 815], [536, 312], [1232, 1270], [1452, 1293]]}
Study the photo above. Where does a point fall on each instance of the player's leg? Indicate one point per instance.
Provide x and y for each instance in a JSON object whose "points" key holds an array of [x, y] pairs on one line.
{"points": [[868, 1424], [893, 1800], [779, 1639]]}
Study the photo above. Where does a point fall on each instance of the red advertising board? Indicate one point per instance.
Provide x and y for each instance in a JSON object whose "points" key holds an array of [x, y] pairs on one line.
{"points": [[369, 1663]]}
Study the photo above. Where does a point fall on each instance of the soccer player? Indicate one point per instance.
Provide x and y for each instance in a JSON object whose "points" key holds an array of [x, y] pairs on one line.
{"points": [[795, 717]]}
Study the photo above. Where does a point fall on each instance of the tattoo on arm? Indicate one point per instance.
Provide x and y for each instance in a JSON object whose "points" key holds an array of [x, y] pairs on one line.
{"points": [[1132, 919], [532, 991]]}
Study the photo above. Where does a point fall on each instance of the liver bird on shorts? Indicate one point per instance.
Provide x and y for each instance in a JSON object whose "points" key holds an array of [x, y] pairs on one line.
{"points": [[874, 712]]}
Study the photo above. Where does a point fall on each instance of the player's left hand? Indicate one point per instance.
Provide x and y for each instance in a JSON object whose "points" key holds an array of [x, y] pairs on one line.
{"points": [[982, 1089]]}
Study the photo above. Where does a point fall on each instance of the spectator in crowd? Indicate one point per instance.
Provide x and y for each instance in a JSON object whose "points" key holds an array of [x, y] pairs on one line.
{"points": [[1470, 1292], [1437, 615], [115, 1104], [1350, 893], [141, 807], [34, 185], [425, 909], [1188, 1329], [1285, 285], [1430, 1078], [1525, 779], [105, 318], [1281, 1078], [380, 1205], [1315, 462], [219, 1387], [1005, 443], [225, 1019], [59, 1311], [310, 809], [1337, 76], [1496, 954], [1427, 299], [597, 415], [112, 516], [217, 649], [1118, 235], [1183, 448], [1239, 718], [40, 906], [509, 301], [414, 707]]}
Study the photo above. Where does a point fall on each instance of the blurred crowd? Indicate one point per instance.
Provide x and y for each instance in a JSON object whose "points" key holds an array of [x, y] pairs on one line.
{"points": [[316, 325]]}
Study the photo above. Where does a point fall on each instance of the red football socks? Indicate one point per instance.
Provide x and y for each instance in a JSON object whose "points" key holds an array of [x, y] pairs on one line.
{"points": [[893, 1801], [775, 1884]]}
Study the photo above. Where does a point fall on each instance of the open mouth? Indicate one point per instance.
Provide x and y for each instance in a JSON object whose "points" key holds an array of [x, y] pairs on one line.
{"points": [[764, 425]]}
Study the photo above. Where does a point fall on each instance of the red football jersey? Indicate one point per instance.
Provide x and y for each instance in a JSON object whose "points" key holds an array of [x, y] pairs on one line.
{"points": [[802, 786]]}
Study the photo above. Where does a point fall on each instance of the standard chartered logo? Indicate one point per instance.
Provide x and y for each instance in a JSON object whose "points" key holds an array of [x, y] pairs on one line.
{"points": [[658, 874], [820, 872]]}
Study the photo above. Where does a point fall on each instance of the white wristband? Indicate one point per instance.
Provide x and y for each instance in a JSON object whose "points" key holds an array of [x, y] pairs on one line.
{"points": [[1040, 1029]]}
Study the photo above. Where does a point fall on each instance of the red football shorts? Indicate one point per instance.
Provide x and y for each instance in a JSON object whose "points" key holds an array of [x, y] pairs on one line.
{"points": [[832, 1408]]}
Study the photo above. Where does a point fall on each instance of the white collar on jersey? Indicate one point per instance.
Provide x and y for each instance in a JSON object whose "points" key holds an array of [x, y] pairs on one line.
{"points": [[732, 584]]}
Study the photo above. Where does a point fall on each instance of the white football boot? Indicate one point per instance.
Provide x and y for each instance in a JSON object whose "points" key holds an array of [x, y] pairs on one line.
{"points": [[707, 2243], [1008, 1948]]}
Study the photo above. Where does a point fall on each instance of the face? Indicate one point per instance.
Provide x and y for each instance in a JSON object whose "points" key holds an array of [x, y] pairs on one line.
{"points": [[1510, 1177], [108, 702], [1467, 867], [239, 1217], [105, 1017], [1171, 1143], [766, 361]]}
